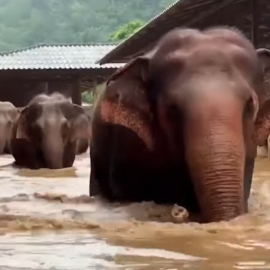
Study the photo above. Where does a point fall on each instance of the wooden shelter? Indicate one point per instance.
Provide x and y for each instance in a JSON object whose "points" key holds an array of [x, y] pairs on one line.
{"points": [[250, 16], [68, 69]]}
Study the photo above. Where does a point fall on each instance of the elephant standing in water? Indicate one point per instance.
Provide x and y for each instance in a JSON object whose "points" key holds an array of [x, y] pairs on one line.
{"points": [[176, 125], [47, 131], [263, 119], [8, 117]]}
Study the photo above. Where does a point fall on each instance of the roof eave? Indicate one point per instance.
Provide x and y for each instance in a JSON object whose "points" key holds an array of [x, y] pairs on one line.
{"points": [[110, 56], [106, 58]]}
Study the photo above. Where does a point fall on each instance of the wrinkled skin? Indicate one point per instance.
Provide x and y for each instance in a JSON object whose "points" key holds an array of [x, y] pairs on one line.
{"points": [[177, 125], [82, 144], [8, 117], [47, 131]]}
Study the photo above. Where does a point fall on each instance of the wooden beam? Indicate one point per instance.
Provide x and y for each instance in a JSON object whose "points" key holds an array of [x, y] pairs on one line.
{"points": [[94, 89], [76, 92], [190, 23], [46, 88]]}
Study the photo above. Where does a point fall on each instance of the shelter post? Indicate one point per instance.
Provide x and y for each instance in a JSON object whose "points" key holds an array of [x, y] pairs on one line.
{"points": [[46, 87], [76, 92], [254, 15]]}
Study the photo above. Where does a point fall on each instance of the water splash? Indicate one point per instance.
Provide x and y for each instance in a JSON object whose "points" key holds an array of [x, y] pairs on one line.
{"points": [[34, 205]]}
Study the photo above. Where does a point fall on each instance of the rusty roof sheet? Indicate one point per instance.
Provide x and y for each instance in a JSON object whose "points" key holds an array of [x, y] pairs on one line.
{"points": [[56, 57], [188, 13]]}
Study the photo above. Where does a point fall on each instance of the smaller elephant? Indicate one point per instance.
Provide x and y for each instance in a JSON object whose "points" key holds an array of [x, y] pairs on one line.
{"points": [[264, 150], [83, 144], [47, 131], [263, 119], [8, 117]]}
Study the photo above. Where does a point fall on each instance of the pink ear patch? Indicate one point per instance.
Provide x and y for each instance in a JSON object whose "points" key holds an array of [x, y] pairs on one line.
{"points": [[106, 111], [119, 114]]}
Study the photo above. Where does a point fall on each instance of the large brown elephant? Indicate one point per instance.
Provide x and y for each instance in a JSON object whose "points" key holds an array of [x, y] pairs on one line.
{"points": [[8, 117], [176, 125], [47, 131]]}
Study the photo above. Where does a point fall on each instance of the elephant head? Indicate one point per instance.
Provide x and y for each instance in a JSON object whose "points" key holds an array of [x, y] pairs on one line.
{"points": [[8, 117], [201, 89], [263, 118], [53, 126]]}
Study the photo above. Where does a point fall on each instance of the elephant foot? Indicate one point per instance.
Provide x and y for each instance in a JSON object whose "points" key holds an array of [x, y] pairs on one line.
{"points": [[94, 189], [179, 214]]}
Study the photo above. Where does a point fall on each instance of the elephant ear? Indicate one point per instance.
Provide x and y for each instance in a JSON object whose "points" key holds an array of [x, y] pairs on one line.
{"points": [[262, 123], [135, 69], [126, 99], [81, 128], [27, 116], [126, 87]]}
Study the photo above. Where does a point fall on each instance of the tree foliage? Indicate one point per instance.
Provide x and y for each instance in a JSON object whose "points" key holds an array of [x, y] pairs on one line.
{"points": [[28, 22], [126, 30]]}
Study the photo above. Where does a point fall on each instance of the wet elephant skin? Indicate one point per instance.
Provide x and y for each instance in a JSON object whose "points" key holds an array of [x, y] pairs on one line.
{"points": [[8, 117], [176, 125], [47, 131]]}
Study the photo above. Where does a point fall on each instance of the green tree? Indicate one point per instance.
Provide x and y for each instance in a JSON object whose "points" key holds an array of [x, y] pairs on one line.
{"points": [[26, 23], [126, 30]]}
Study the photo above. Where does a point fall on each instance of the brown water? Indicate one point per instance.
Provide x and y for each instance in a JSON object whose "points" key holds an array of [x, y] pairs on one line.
{"points": [[48, 222]]}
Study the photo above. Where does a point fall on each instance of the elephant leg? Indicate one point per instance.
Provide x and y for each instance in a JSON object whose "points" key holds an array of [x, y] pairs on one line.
{"points": [[100, 161], [25, 154], [94, 189], [69, 154], [104, 162], [126, 170], [82, 146], [7, 149], [117, 163]]}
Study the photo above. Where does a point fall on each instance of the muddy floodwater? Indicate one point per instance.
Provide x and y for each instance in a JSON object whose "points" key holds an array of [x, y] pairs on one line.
{"points": [[48, 222]]}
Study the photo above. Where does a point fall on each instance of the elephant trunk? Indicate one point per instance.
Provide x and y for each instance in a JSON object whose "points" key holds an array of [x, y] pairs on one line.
{"points": [[215, 154], [53, 150]]}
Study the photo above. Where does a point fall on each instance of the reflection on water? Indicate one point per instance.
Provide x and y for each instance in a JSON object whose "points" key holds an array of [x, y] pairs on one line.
{"points": [[47, 221]]}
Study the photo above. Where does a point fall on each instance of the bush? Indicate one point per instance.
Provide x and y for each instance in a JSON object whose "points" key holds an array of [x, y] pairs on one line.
{"points": [[90, 95]]}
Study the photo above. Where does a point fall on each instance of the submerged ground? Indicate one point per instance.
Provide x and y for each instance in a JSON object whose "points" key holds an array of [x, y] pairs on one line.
{"points": [[48, 222]]}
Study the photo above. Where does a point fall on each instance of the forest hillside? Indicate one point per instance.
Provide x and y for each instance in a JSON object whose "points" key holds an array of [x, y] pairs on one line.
{"points": [[29, 22]]}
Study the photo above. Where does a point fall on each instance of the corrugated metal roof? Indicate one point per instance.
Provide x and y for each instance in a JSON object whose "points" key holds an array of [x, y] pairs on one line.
{"points": [[57, 57], [106, 58], [188, 13]]}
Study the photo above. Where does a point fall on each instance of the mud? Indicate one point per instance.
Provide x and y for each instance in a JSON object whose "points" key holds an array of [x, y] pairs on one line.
{"points": [[47, 221]]}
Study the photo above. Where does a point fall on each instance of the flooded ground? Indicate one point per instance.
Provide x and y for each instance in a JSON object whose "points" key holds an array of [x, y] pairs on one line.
{"points": [[48, 222]]}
